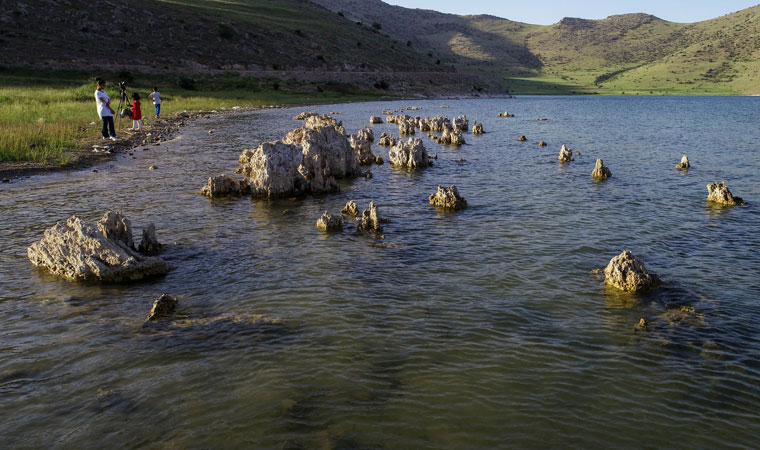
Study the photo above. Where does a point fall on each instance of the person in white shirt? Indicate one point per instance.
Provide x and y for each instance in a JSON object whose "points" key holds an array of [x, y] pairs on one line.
{"points": [[156, 100], [104, 110]]}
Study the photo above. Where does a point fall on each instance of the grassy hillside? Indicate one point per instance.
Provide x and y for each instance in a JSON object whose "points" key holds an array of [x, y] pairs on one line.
{"points": [[630, 53], [192, 35]]}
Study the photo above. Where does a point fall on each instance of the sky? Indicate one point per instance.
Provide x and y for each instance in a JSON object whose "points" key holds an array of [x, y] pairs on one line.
{"points": [[546, 12]]}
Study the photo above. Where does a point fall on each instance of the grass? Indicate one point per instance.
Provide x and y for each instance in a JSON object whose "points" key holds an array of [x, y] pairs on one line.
{"points": [[46, 117]]}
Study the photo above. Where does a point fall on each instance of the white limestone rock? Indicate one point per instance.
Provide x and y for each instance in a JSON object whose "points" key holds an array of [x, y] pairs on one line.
{"points": [[626, 272], [448, 198], [410, 154], [565, 154], [601, 172], [77, 250], [719, 193]]}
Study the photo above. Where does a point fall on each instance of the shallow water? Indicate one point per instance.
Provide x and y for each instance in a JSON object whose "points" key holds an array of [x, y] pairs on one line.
{"points": [[480, 329]]}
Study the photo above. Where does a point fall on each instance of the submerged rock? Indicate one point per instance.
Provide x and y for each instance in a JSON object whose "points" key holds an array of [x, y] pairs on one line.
{"points": [[370, 220], [410, 154], [329, 222], [477, 128], [386, 140], [506, 114], [626, 272], [77, 250], [375, 120], [224, 186], [565, 154], [601, 172], [684, 164], [448, 198], [350, 209], [162, 307], [542, 144], [522, 138], [719, 193], [361, 142]]}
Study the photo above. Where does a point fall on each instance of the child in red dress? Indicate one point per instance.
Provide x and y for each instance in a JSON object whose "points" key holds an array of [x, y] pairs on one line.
{"points": [[136, 113]]}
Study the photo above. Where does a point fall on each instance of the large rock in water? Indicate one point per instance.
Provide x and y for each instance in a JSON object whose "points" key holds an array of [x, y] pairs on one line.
{"points": [[387, 140], [361, 142], [308, 160], [601, 172], [719, 193], [105, 251], [627, 272], [448, 198], [410, 154], [477, 128], [224, 186], [565, 154]]}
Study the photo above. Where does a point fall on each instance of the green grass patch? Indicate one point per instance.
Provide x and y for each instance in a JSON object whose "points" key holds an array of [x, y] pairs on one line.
{"points": [[47, 116]]}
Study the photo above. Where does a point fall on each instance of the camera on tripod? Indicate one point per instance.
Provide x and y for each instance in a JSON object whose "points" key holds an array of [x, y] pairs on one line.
{"points": [[124, 101]]}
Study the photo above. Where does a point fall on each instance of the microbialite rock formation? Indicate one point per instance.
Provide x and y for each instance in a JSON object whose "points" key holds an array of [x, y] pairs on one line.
{"points": [[410, 154], [719, 193], [448, 198], [104, 251], [600, 172], [565, 154], [626, 272]]}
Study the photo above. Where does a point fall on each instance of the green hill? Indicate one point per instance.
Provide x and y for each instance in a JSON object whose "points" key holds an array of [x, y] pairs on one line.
{"points": [[631, 53]]}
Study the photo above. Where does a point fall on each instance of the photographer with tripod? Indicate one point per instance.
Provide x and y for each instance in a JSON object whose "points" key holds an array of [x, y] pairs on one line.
{"points": [[104, 110]]}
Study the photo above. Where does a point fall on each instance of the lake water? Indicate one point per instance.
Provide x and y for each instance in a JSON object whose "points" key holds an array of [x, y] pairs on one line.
{"points": [[484, 328]]}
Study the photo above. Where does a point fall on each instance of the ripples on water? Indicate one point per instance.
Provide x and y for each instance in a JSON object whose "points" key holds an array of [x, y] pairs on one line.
{"points": [[480, 329]]}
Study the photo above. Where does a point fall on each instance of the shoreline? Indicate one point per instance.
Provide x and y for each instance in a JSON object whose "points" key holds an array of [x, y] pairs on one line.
{"points": [[94, 151]]}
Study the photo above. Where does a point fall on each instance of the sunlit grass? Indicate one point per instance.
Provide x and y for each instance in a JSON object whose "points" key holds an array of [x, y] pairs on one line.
{"points": [[44, 119]]}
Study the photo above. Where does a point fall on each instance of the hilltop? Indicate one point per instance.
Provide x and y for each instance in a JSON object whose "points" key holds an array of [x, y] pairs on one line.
{"points": [[632, 53]]}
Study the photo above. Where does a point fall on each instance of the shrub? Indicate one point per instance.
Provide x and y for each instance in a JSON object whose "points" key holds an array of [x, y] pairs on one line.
{"points": [[226, 31], [382, 84], [186, 83], [125, 75]]}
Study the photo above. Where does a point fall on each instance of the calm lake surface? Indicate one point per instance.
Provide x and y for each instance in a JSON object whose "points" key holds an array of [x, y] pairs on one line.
{"points": [[480, 329]]}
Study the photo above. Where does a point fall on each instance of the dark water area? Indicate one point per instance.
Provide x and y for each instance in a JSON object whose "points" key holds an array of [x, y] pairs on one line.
{"points": [[480, 329]]}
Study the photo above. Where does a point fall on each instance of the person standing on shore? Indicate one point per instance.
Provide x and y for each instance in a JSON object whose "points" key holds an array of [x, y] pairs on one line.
{"points": [[136, 112], [156, 101], [104, 110]]}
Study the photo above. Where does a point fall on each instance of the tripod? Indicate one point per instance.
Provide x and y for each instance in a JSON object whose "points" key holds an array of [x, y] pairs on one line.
{"points": [[122, 101]]}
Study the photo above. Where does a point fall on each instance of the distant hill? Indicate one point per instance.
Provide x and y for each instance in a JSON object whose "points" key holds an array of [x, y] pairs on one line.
{"points": [[634, 53]]}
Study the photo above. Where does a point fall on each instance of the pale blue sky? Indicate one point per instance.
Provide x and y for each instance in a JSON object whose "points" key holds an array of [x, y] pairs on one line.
{"points": [[546, 12]]}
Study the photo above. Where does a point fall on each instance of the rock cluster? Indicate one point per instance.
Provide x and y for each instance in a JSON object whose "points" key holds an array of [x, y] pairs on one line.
{"points": [[224, 186], [410, 154], [361, 142], [386, 140], [719, 193], [448, 198], [477, 128], [105, 251], [407, 127], [601, 172], [461, 123], [684, 164], [451, 136], [565, 154], [329, 222], [307, 160], [162, 307], [626, 272], [370, 220]]}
